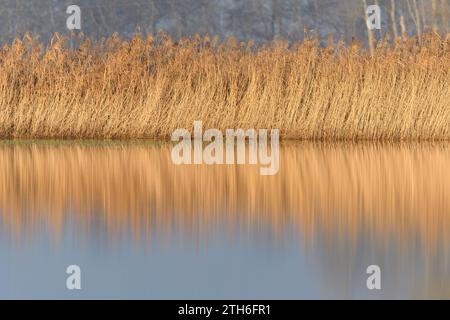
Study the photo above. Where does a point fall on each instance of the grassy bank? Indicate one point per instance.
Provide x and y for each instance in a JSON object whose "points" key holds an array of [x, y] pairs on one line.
{"points": [[146, 88]]}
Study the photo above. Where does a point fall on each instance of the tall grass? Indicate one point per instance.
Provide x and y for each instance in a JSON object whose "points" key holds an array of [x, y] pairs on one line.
{"points": [[148, 87]]}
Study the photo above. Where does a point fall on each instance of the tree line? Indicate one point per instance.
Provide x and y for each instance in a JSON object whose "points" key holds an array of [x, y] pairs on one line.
{"points": [[260, 20]]}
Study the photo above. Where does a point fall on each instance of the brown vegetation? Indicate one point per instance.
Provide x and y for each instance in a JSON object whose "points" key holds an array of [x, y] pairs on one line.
{"points": [[148, 87]]}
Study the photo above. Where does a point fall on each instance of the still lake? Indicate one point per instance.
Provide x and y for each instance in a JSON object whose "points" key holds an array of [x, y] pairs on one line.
{"points": [[141, 227]]}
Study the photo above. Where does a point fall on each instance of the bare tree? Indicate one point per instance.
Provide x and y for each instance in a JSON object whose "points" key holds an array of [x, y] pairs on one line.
{"points": [[403, 28], [433, 15], [393, 19], [424, 15], [369, 30], [414, 12], [444, 16]]}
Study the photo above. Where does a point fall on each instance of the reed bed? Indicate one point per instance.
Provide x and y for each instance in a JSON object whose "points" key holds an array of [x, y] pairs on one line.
{"points": [[148, 87]]}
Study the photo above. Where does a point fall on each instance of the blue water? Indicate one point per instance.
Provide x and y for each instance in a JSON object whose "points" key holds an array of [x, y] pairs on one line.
{"points": [[221, 265]]}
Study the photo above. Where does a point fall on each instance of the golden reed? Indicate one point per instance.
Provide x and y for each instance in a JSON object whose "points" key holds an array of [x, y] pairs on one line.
{"points": [[148, 87], [395, 191]]}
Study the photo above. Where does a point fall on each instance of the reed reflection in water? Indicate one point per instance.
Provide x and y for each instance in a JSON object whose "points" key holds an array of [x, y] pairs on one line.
{"points": [[339, 207]]}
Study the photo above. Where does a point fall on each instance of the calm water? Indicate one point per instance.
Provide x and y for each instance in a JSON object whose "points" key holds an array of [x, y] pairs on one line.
{"points": [[141, 227]]}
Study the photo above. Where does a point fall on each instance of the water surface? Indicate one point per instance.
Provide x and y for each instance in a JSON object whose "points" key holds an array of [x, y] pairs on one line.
{"points": [[141, 227]]}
